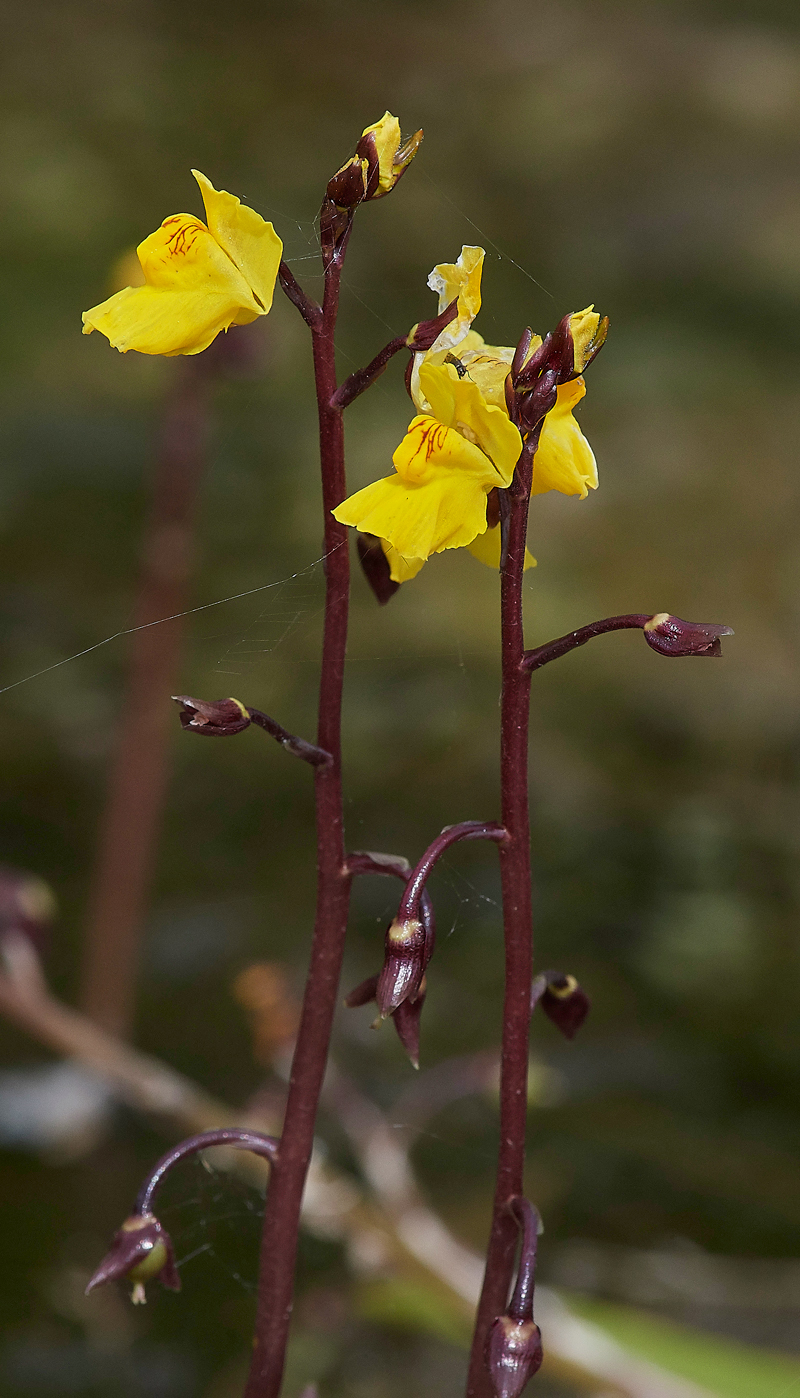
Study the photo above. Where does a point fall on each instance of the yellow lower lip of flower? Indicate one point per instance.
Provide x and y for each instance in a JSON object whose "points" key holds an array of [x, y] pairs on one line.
{"points": [[199, 280]]}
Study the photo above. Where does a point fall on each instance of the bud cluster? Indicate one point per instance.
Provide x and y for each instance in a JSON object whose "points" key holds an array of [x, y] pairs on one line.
{"points": [[380, 159], [532, 385]]}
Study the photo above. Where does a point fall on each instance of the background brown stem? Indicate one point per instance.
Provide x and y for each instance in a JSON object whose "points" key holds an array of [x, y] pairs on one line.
{"points": [[139, 770]]}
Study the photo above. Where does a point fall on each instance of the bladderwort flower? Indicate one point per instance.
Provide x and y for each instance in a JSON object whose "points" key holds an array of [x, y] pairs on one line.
{"points": [[439, 497], [199, 279]]}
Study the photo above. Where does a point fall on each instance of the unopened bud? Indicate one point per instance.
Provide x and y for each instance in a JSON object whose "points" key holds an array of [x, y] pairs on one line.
{"points": [[406, 1020], [669, 635], [141, 1251], [562, 999], [513, 1354], [403, 967], [588, 334], [216, 718], [387, 158], [348, 186], [376, 567]]}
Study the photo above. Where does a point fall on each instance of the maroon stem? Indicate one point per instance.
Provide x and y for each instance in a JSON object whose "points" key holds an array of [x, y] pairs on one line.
{"points": [[298, 747], [222, 1136], [362, 379], [282, 1214], [139, 772], [465, 830], [527, 1219], [542, 655], [515, 875]]}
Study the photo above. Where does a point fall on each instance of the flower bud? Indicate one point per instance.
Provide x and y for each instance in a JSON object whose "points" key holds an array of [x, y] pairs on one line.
{"points": [[376, 567], [216, 718], [513, 1354], [141, 1250], [588, 334], [348, 186], [406, 1020], [562, 999], [669, 635], [387, 159], [403, 967]]}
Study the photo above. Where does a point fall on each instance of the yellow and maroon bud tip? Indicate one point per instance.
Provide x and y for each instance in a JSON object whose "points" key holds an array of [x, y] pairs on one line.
{"points": [[563, 1000], [403, 967], [669, 635], [142, 1251], [387, 156], [215, 718]]}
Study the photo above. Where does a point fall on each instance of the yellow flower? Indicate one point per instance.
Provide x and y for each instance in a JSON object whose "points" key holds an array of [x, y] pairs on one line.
{"points": [[446, 465], [392, 157], [564, 461], [199, 280], [454, 281]]}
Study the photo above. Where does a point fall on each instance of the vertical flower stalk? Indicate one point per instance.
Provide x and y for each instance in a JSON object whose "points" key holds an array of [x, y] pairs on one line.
{"points": [[515, 876], [282, 1215]]}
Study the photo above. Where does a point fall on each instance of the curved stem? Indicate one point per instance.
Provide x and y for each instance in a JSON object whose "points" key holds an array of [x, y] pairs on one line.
{"points": [[362, 379], [282, 1213], [515, 875], [260, 1144], [526, 1216], [367, 862], [542, 655], [465, 830]]}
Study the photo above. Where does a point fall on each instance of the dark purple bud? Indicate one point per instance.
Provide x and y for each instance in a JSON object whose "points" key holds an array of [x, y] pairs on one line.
{"points": [[513, 1354], [669, 635], [406, 1020], [216, 718], [375, 567], [521, 352], [362, 994], [26, 905], [334, 224], [403, 967], [562, 999], [535, 404], [426, 332], [141, 1250], [348, 187]]}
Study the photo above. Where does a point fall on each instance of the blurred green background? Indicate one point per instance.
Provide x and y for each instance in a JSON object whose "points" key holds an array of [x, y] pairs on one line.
{"points": [[643, 156]]}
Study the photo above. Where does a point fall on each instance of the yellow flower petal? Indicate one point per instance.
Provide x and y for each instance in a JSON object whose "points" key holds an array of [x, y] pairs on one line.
{"points": [[486, 548], [587, 336], [198, 280], [564, 460], [401, 569], [250, 242], [387, 139], [446, 512], [458, 403], [459, 281], [192, 291]]}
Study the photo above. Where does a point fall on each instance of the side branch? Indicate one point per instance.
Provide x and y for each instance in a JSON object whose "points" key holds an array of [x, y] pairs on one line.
{"points": [[362, 379], [221, 718], [239, 1137], [667, 634], [553, 650], [465, 830], [309, 310]]}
